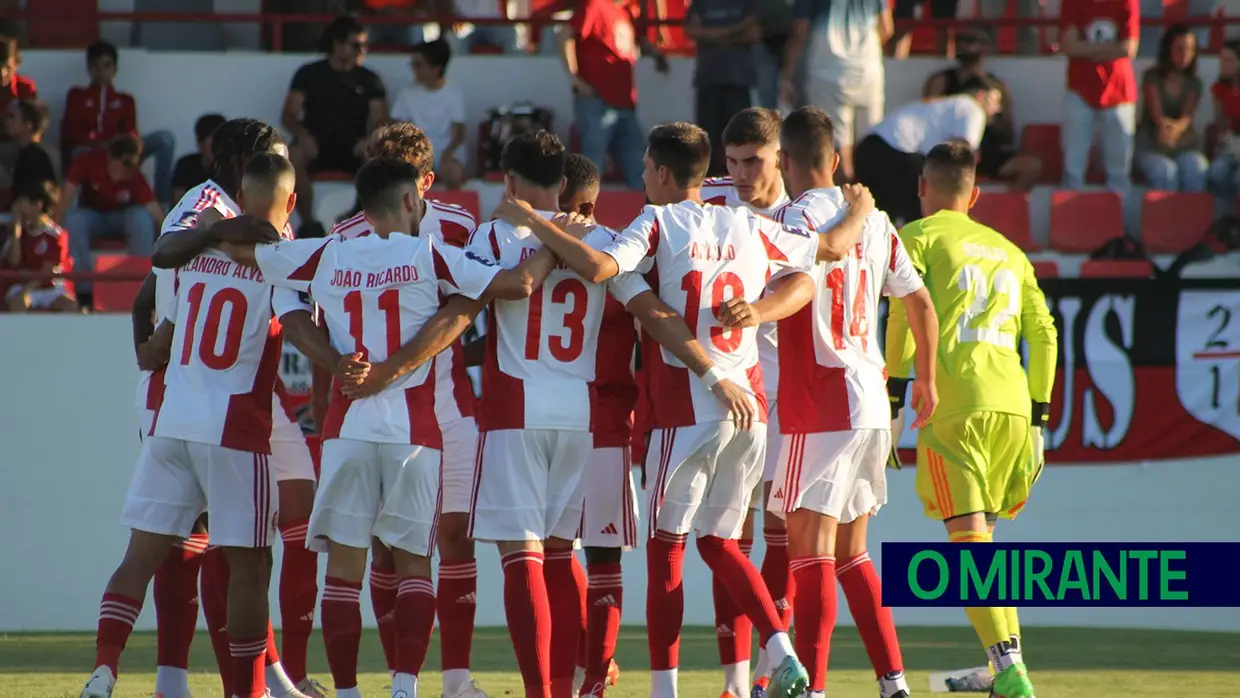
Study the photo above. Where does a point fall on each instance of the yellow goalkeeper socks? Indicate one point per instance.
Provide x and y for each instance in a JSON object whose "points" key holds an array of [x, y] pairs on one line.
{"points": [[991, 624]]}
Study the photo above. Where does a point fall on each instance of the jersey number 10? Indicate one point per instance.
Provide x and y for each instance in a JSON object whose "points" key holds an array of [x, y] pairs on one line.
{"points": [[986, 294], [213, 357]]}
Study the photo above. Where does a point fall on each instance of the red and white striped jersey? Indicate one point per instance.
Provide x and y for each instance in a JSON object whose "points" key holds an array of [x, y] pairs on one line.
{"points": [[702, 256], [541, 352], [376, 294], [220, 380], [833, 365], [452, 225], [721, 192]]}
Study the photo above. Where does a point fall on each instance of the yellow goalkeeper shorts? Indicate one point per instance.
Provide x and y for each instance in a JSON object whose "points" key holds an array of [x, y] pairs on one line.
{"points": [[975, 462]]}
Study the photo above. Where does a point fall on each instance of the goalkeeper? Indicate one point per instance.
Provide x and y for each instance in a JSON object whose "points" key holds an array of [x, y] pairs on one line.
{"points": [[982, 450]]}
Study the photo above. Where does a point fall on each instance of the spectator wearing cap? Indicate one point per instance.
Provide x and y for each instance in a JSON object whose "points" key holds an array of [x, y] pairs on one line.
{"points": [[333, 104], [98, 113], [1168, 145], [113, 199], [26, 121], [195, 168], [998, 158], [1100, 40], [438, 108], [727, 33], [842, 41], [889, 160]]}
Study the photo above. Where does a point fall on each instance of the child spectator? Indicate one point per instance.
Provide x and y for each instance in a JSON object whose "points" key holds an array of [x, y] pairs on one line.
{"points": [[1225, 170], [36, 243], [195, 168], [12, 85], [98, 112], [437, 108], [1169, 147], [115, 201], [26, 120]]}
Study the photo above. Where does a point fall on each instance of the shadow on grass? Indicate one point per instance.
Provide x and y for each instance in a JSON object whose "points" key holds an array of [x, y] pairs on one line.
{"points": [[924, 648]]}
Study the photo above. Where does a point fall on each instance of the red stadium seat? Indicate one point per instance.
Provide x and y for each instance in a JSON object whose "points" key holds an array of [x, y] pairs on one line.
{"points": [[1046, 269], [1081, 221], [1117, 269], [1043, 140], [1008, 213], [117, 296], [616, 209], [1174, 221], [465, 198]]}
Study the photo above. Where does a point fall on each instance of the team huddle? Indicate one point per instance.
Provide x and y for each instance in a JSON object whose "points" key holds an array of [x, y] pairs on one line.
{"points": [[725, 342]]}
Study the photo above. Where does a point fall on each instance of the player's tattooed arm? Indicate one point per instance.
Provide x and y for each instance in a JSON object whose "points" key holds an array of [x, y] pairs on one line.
{"points": [[593, 265], [923, 322], [783, 298], [836, 243], [444, 328], [176, 249]]}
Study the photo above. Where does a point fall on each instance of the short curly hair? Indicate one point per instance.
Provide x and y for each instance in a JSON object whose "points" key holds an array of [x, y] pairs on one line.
{"points": [[403, 141]]}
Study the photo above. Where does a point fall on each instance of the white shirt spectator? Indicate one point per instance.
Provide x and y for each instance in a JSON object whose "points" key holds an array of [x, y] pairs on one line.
{"points": [[433, 111], [918, 127]]}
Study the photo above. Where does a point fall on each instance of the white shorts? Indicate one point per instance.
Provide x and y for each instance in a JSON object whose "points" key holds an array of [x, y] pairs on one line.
{"points": [[770, 458], [460, 457], [290, 456], [529, 484], [609, 519], [384, 491], [175, 481], [841, 474], [706, 474], [855, 112], [40, 298]]}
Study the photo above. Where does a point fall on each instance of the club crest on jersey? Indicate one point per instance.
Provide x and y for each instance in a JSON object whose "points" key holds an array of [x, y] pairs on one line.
{"points": [[711, 251]]}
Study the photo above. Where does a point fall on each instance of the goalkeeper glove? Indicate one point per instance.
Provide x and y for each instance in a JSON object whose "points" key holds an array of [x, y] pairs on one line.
{"points": [[897, 390], [1040, 417]]}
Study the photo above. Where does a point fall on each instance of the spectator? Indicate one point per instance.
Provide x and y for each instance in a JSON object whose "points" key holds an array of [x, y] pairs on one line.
{"points": [[599, 49], [889, 160], [195, 168], [437, 108], [902, 39], [115, 200], [98, 113], [844, 70], [1225, 170], [468, 38], [36, 243], [1100, 40], [12, 85], [727, 33], [26, 120], [776, 27], [997, 157], [332, 106], [1027, 41], [1168, 146]]}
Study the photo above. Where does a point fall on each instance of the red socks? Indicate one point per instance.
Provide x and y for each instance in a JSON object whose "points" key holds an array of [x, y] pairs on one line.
{"points": [[863, 589], [215, 609], [249, 666], [743, 582], [342, 629], [176, 601], [816, 611], [457, 601], [117, 614], [299, 578], [733, 629], [775, 574], [383, 585], [566, 594], [604, 601], [529, 619], [665, 598], [415, 619]]}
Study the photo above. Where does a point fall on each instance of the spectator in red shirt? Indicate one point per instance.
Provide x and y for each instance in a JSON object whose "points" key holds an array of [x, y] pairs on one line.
{"points": [[12, 85], [115, 200], [98, 112], [1225, 170], [1099, 37], [599, 50], [36, 243]]}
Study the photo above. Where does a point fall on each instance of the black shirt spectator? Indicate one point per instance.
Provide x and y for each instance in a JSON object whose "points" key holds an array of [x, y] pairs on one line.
{"points": [[194, 169], [26, 120], [332, 106]]}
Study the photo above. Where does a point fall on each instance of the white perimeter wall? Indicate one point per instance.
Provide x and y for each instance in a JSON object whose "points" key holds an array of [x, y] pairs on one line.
{"points": [[68, 440]]}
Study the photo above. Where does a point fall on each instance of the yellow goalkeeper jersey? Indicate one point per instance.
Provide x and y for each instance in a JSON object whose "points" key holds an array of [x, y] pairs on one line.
{"points": [[987, 298]]}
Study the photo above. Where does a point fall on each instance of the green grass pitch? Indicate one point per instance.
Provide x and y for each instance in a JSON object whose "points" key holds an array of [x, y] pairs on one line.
{"points": [[1064, 662]]}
